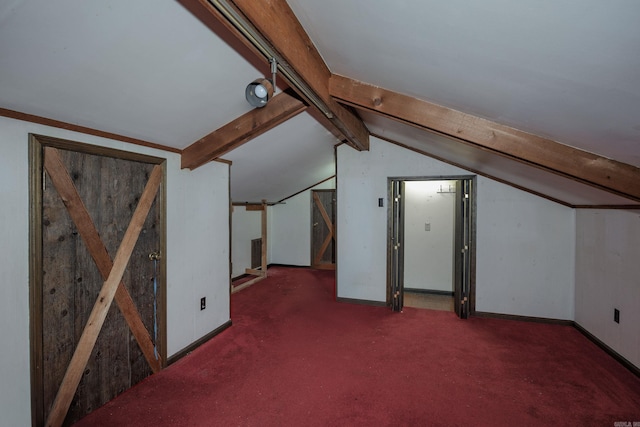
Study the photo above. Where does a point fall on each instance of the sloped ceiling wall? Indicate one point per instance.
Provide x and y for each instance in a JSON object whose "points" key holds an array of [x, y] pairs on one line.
{"points": [[152, 71], [565, 70]]}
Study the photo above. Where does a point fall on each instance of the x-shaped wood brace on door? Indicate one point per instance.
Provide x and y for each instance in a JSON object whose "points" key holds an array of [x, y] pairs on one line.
{"points": [[327, 221], [111, 271]]}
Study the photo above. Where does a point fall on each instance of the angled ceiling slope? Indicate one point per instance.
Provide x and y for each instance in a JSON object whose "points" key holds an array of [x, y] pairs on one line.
{"points": [[275, 163], [495, 139], [293, 156], [149, 73], [146, 69], [552, 70], [563, 70], [528, 178], [271, 31], [548, 69]]}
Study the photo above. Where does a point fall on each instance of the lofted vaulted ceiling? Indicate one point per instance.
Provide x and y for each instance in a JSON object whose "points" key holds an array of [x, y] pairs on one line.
{"points": [[542, 95]]}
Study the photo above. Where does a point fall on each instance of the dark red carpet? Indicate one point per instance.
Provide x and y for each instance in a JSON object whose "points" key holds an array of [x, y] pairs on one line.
{"points": [[294, 357]]}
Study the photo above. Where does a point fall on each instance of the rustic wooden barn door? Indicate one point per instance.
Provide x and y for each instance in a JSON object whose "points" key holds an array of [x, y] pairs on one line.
{"points": [[88, 204], [323, 240]]}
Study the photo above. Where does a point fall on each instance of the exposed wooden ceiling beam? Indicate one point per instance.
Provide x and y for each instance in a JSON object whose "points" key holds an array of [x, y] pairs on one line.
{"points": [[277, 23], [607, 174], [241, 130], [211, 18]]}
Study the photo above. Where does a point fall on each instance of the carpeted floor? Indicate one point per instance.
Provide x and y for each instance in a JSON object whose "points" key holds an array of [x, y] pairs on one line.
{"points": [[295, 357]]}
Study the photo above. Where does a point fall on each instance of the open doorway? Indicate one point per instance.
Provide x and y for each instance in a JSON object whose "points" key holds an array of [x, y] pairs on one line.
{"points": [[431, 250]]}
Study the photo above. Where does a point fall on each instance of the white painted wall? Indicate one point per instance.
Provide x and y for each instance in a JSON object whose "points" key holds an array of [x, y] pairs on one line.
{"points": [[608, 277], [525, 257], [428, 250], [197, 255], [289, 235], [245, 226], [525, 244]]}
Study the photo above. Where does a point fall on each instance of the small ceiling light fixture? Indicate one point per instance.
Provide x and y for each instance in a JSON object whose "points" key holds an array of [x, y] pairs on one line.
{"points": [[260, 91]]}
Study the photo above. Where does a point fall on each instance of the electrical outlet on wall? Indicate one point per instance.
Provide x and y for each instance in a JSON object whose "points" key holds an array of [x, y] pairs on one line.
{"points": [[203, 303], [427, 226]]}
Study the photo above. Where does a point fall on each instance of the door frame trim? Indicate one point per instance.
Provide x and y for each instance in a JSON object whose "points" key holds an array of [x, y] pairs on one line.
{"points": [[37, 143], [472, 237]]}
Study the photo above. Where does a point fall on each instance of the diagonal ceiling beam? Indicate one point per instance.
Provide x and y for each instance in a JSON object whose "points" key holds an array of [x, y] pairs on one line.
{"points": [[271, 29], [241, 130], [610, 175], [277, 23]]}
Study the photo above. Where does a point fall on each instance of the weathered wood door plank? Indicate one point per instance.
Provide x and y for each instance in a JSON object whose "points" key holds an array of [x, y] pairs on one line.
{"points": [[107, 293], [86, 228], [321, 253]]}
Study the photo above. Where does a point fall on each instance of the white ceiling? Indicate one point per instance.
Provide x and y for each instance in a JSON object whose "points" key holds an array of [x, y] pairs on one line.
{"points": [[145, 69], [295, 155], [567, 70]]}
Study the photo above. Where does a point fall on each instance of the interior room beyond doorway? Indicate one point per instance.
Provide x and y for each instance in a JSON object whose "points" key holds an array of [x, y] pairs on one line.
{"points": [[429, 237]]}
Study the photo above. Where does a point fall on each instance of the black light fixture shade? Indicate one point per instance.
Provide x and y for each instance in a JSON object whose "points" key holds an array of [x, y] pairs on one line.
{"points": [[259, 92]]}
